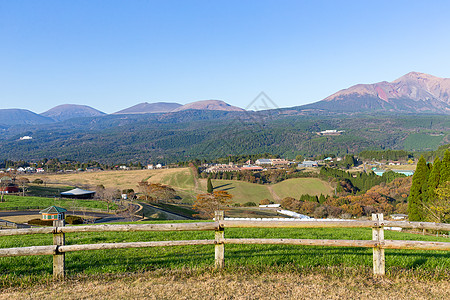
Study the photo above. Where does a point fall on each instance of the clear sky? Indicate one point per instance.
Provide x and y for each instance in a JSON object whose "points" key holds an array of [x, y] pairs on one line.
{"points": [[114, 54]]}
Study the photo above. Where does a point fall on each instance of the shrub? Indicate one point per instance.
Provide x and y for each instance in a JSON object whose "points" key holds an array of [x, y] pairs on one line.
{"points": [[250, 204], [69, 220], [264, 202], [38, 181], [74, 220], [41, 222]]}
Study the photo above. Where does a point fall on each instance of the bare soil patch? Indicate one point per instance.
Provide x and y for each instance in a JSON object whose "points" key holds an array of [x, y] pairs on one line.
{"points": [[20, 219]]}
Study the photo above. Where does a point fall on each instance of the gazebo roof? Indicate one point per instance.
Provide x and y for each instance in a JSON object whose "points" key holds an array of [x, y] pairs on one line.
{"points": [[53, 210], [77, 192]]}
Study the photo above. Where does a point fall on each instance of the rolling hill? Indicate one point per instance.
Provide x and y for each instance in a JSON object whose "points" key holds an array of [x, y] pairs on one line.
{"points": [[22, 117], [150, 108], [209, 105], [70, 111]]}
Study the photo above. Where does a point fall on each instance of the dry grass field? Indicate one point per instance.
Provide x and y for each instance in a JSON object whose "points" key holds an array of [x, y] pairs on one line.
{"points": [[187, 284], [110, 179]]}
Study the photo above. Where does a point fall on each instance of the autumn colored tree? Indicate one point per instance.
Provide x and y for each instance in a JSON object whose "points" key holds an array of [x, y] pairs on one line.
{"points": [[291, 203], [264, 202], [207, 204], [156, 192]]}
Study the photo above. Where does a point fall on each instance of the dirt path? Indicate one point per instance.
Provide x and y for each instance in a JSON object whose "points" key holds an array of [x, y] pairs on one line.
{"points": [[196, 182], [169, 215], [275, 197]]}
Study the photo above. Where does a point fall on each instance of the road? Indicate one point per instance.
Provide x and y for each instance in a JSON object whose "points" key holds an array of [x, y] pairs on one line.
{"points": [[170, 215]]}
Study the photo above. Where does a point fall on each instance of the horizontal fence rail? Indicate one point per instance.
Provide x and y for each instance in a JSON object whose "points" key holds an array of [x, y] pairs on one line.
{"points": [[378, 243]]}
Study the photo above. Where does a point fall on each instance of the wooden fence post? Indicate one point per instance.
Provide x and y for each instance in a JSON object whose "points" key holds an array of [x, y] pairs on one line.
{"points": [[219, 246], [378, 252], [58, 257]]}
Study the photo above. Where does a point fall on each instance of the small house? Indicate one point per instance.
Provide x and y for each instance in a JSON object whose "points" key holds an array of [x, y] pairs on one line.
{"points": [[53, 213], [263, 161], [309, 164]]}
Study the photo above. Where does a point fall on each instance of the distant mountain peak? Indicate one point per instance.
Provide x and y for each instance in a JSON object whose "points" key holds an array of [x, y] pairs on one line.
{"points": [[413, 92], [15, 116], [69, 111], [148, 108], [209, 105]]}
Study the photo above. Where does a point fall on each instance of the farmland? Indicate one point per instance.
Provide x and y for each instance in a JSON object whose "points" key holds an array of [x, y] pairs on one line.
{"points": [[185, 184]]}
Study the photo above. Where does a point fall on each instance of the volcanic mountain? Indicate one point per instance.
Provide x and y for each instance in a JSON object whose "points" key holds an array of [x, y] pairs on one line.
{"points": [[209, 105], [70, 111], [412, 93], [21, 117], [149, 108]]}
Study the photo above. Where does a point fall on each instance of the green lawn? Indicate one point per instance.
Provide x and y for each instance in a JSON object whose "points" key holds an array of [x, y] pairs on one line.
{"points": [[20, 202], [299, 186], [180, 180], [242, 191], [47, 191], [251, 192], [436, 263]]}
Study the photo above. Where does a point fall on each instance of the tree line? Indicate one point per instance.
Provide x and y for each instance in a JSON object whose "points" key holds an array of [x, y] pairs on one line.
{"points": [[429, 198]]}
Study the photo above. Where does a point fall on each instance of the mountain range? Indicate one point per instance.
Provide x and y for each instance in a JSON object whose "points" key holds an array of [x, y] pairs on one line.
{"points": [[414, 92]]}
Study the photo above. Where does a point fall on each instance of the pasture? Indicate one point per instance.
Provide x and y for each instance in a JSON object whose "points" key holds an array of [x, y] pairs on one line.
{"points": [[13, 270], [187, 187]]}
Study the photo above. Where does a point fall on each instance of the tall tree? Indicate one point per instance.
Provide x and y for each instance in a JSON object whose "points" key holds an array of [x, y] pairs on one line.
{"points": [[418, 193], [207, 204], [434, 179], [209, 186], [438, 208], [445, 168]]}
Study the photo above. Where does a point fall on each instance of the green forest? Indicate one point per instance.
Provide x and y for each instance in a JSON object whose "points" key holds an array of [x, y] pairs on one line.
{"points": [[209, 135], [429, 198]]}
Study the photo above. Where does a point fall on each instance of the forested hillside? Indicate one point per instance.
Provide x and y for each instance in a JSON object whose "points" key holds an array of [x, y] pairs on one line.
{"points": [[188, 135]]}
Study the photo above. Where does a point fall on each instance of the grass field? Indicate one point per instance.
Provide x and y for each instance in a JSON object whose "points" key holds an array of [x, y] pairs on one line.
{"points": [[296, 283], [422, 141], [12, 201], [299, 186], [110, 179], [242, 191], [16, 270], [183, 181], [250, 192]]}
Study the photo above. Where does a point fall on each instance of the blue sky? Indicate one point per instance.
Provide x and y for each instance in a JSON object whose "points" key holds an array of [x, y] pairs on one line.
{"points": [[114, 54]]}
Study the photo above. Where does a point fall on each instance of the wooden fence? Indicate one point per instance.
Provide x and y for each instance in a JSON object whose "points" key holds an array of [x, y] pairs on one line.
{"points": [[378, 243]]}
